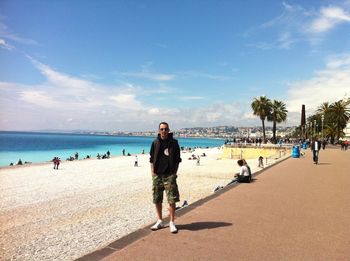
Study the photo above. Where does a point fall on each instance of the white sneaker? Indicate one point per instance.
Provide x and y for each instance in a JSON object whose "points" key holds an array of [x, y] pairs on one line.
{"points": [[157, 225], [173, 228]]}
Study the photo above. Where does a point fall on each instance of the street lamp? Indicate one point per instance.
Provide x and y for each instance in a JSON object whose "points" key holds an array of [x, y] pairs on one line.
{"points": [[322, 119], [314, 127]]}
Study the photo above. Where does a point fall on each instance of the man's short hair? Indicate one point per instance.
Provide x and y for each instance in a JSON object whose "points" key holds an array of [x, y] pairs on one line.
{"points": [[240, 162], [163, 122]]}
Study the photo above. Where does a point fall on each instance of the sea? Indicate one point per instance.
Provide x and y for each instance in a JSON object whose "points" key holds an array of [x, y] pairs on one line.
{"points": [[35, 147]]}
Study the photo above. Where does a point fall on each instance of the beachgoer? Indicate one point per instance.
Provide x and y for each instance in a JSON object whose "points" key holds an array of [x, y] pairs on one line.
{"points": [[249, 170], [76, 156], [198, 160], [165, 159], [261, 162], [315, 147], [108, 154], [19, 162], [123, 152], [56, 162], [136, 164], [244, 173]]}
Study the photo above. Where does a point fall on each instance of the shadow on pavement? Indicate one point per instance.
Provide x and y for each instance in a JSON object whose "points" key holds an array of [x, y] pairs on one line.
{"points": [[324, 163], [203, 225]]}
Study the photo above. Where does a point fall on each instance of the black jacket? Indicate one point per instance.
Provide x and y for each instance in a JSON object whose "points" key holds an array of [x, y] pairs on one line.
{"points": [[174, 153], [313, 145]]}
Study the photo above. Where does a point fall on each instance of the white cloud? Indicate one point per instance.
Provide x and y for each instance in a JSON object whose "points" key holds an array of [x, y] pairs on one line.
{"points": [[39, 98], [328, 18], [285, 41], [195, 74], [189, 98], [126, 101], [5, 33], [297, 24], [5, 45], [60, 79], [328, 85], [150, 76], [67, 102]]}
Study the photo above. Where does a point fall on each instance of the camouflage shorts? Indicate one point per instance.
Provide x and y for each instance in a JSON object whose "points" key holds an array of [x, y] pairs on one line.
{"points": [[167, 183]]}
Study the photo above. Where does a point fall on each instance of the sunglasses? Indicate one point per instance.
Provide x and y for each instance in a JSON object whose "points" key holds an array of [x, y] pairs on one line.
{"points": [[164, 129]]}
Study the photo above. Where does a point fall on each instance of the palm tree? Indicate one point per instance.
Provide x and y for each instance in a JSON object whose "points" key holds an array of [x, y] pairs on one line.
{"points": [[330, 132], [262, 107], [277, 114], [340, 114], [324, 108]]}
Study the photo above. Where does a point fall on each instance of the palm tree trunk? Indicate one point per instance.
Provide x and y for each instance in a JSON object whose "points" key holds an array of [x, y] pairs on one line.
{"points": [[274, 131], [264, 135]]}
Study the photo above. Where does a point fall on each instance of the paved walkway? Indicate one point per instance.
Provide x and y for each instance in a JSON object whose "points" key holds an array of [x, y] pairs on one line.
{"points": [[295, 210]]}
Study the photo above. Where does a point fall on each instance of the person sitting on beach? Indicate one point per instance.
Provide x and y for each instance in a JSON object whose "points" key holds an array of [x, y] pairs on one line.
{"points": [[98, 156], [136, 164], [19, 162], [250, 172], [108, 154], [244, 173]]}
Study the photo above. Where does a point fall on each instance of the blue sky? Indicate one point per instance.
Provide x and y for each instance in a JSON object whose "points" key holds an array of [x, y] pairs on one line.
{"points": [[127, 65]]}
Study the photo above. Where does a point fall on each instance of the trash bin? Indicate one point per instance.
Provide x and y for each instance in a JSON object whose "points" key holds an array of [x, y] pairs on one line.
{"points": [[304, 146], [295, 152]]}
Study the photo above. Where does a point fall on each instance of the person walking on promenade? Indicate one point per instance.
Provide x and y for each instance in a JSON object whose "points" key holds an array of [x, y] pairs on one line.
{"points": [[165, 159], [315, 147]]}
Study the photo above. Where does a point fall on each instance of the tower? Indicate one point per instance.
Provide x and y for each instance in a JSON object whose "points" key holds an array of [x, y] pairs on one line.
{"points": [[303, 122]]}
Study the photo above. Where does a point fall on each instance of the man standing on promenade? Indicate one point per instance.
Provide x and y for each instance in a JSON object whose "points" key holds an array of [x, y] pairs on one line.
{"points": [[315, 147], [165, 159]]}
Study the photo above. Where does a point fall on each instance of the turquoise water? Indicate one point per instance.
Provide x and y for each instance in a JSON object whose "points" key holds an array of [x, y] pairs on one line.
{"points": [[42, 147]]}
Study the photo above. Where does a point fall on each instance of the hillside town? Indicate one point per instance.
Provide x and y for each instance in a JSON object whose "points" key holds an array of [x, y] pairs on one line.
{"points": [[211, 132]]}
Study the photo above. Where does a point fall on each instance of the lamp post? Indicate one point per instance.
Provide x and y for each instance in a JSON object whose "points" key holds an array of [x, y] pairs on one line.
{"points": [[322, 119], [314, 127]]}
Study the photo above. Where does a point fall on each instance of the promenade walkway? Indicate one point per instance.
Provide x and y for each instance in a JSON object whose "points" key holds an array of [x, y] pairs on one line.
{"points": [[295, 210]]}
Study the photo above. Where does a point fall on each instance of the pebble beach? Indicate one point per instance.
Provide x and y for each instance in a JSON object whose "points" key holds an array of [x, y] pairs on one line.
{"points": [[63, 214]]}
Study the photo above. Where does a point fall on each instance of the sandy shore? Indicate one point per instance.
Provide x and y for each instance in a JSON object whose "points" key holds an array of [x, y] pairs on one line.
{"points": [[63, 214]]}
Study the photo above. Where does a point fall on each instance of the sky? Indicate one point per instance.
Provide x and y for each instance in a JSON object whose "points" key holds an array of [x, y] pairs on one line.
{"points": [[128, 65]]}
